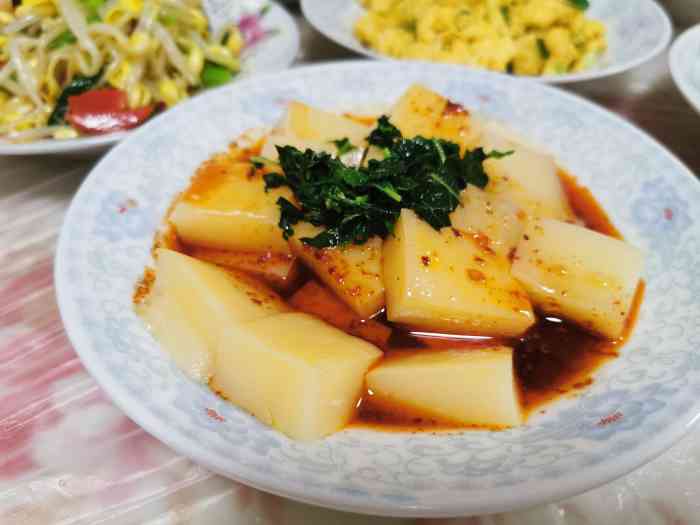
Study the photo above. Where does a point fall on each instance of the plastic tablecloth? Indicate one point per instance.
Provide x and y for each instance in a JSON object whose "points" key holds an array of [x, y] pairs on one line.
{"points": [[69, 456]]}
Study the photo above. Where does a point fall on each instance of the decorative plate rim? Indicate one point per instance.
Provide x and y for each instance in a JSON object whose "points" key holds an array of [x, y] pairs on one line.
{"points": [[87, 145], [307, 8], [536, 492]]}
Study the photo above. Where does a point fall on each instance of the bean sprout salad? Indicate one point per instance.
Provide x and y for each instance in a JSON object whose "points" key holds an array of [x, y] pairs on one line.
{"points": [[70, 68]]}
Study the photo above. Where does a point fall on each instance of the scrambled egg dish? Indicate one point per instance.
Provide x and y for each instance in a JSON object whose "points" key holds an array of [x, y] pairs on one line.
{"points": [[524, 37]]}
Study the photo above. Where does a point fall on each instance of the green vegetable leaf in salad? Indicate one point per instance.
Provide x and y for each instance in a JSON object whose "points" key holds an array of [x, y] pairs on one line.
{"points": [[92, 9], [354, 204], [67, 37], [78, 85], [214, 75], [64, 39]]}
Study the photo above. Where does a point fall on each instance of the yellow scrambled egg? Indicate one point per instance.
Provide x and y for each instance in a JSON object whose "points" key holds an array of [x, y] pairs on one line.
{"points": [[524, 37]]}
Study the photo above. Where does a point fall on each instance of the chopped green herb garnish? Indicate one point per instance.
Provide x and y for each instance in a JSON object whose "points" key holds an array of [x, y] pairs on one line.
{"points": [[580, 4], [344, 146], [356, 203], [542, 47], [260, 162], [495, 154], [440, 151], [385, 134], [274, 180], [289, 215]]}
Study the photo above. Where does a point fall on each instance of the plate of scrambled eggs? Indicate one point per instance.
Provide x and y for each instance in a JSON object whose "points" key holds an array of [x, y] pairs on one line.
{"points": [[550, 40]]}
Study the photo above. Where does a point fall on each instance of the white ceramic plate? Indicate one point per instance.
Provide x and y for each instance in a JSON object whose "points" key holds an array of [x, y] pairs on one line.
{"points": [[275, 53], [638, 30], [638, 406], [685, 65]]}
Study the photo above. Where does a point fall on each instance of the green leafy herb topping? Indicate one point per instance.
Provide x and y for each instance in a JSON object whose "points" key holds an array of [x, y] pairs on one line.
{"points": [[354, 204], [542, 47], [344, 146], [260, 162], [385, 134]]}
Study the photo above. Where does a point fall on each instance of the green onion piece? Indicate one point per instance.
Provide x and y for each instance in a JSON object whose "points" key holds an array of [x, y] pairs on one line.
{"points": [[215, 75]]}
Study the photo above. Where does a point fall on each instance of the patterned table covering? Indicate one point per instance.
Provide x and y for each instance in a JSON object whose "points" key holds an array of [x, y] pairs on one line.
{"points": [[69, 456]]}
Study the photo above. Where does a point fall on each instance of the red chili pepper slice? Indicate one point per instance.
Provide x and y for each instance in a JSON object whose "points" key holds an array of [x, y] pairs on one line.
{"points": [[104, 111]]}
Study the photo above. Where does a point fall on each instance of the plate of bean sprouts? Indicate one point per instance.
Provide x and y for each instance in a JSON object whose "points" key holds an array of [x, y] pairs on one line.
{"points": [[77, 75]]}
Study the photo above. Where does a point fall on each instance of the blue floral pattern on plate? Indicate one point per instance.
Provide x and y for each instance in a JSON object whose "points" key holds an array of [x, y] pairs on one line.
{"points": [[638, 405]]}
